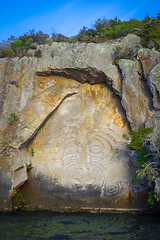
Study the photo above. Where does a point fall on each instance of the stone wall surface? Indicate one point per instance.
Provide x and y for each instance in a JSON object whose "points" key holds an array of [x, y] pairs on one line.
{"points": [[73, 106]]}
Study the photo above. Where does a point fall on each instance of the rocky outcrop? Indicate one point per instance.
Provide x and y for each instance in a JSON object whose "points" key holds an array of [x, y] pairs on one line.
{"points": [[153, 82], [147, 58], [136, 97], [73, 106], [89, 58], [150, 61]]}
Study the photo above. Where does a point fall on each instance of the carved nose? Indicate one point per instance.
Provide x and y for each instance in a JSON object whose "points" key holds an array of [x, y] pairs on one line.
{"points": [[84, 157]]}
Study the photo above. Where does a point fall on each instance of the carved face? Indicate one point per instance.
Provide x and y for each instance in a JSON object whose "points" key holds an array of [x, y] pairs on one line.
{"points": [[79, 147], [85, 156]]}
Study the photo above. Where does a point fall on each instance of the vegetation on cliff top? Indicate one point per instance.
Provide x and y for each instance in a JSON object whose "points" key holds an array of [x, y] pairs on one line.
{"points": [[103, 30]]}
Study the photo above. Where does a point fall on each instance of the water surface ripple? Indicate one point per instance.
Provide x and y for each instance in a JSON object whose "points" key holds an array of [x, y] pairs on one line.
{"points": [[72, 226]]}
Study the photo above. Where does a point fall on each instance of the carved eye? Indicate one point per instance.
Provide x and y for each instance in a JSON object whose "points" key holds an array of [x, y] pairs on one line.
{"points": [[71, 149], [95, 148], [91, 181], [76, 182]]}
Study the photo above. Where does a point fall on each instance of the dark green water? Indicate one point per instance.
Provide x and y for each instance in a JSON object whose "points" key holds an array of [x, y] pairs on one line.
{"points": [[51, 225]]}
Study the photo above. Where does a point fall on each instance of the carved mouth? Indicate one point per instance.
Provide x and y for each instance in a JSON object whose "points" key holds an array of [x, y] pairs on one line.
{"points": [[81, 184]]}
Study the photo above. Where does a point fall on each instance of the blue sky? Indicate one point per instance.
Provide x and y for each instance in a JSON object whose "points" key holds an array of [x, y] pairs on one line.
{"points": [[67, 17]]}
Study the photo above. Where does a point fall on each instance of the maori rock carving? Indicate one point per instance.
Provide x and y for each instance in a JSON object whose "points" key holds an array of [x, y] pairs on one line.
{"points": [[81, 145], [15, 136]]}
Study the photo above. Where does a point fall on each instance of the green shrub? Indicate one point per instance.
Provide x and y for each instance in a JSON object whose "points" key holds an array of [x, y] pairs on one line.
{"points": [[148, 29], [29, 166], [120, 53], [32, 152], [20, 202], [38, 53], [35, 36], [152, 197], [12, 117], [61, 38], [103, 30], [5, 48], [20, 45], [148, 156], [6, 52]]}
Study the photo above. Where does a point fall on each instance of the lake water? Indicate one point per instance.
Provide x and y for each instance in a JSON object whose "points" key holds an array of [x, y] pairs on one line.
{"points": [[72, 226]]}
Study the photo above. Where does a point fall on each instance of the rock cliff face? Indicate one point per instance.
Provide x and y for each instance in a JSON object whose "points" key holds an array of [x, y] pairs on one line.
{"points": [[73, 106]]}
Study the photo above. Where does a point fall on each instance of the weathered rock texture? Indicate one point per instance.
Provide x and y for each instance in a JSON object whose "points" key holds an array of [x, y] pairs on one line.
{"points": [[73, 106]]}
